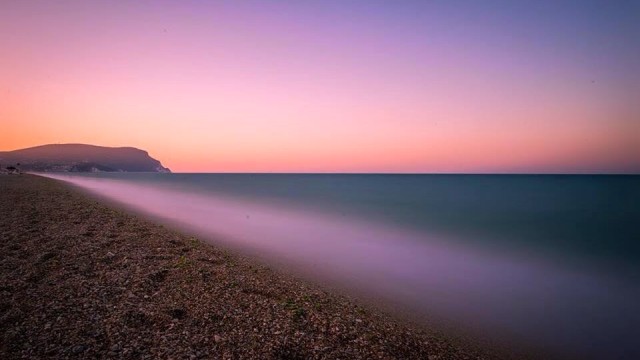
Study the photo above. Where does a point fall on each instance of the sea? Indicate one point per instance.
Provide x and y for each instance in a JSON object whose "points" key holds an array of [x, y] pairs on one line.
{"points": [[550, 262]]}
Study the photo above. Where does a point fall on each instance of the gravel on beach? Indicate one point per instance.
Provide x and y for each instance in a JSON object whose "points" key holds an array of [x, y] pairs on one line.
{"points": [[79, 279]]}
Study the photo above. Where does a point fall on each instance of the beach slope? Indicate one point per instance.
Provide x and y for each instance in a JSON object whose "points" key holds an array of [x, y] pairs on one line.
{"points": [[79, 279]]}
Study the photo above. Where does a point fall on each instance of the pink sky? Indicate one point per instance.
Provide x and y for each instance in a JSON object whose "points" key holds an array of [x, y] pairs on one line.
{"points": [[326, 87]]}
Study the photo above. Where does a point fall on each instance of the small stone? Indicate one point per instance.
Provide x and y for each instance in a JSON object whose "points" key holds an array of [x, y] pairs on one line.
{"points": [[178, 313], [217, 338]]}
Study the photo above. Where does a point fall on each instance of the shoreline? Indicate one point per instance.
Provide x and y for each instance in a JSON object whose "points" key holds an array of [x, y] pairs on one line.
{"points": [[84, 279]]}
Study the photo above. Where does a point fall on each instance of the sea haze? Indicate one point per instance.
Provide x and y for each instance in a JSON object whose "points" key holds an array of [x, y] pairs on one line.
{"points": [[547, 260]]}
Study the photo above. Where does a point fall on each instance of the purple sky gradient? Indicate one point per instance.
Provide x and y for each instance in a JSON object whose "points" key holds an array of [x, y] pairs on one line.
{"points": [[456, 86]]}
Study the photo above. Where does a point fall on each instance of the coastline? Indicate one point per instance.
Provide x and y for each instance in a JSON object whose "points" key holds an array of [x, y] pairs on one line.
{"points": [[82, 279]]}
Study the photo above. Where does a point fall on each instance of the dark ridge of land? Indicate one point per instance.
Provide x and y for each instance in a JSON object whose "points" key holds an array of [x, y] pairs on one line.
{"points": [[81, 280], [81, 158]]}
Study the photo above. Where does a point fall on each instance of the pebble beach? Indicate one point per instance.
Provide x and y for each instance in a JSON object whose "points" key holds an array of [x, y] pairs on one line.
{"points": [[80, 279]]}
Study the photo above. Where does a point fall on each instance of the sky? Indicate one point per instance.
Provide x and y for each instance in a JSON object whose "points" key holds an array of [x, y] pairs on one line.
{"points": [[329, 86]]}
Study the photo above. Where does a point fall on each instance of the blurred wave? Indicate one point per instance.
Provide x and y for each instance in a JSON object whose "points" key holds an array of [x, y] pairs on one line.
{"points": [[544, 260]]}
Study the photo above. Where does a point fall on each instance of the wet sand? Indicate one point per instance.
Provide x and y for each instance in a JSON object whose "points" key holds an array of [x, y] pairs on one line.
{"points": [[79, 279]]}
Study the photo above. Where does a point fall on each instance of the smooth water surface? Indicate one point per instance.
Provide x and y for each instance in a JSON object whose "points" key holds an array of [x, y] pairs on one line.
{"points": [[551, 261]]}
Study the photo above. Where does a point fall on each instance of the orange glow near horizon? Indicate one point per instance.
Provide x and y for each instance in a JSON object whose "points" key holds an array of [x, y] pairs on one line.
{"points": [[289, 88]]}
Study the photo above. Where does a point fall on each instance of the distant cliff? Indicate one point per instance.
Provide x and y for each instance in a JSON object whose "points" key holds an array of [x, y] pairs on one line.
{"points": [[81, 158]]}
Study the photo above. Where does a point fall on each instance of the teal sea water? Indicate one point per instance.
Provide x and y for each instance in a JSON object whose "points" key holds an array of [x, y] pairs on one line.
{"points": [[592, 219], [548, 260]]}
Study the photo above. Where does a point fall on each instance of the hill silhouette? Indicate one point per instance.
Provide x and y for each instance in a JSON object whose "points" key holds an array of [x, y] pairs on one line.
{"points": [[81, 158]]}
